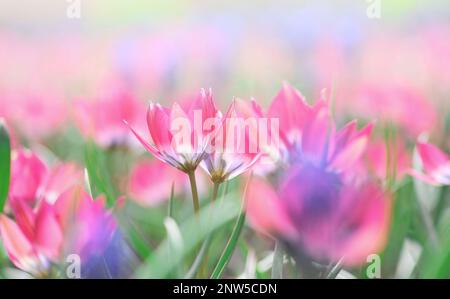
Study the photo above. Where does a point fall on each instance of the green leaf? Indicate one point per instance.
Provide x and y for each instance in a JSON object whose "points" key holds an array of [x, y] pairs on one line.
{"points": [[199, 258], [277, 263], [402, 213], [5, 164], [435, 262], [98, 174], [229, 249], [194, 231]]}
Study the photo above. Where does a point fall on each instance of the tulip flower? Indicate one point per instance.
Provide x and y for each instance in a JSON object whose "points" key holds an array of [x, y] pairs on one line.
{"points": [[234, 149], [435, 165], [180, 137], [315, 213], [324, 206], [102, 119], [45, 114], [74, 224], [32, 180], [308, 133], [28, 172], [165, 125], [34, 240], [393, 103]]}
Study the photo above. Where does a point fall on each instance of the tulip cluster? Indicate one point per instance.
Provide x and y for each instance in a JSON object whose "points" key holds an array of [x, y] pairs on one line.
{"points": [[324, 204], [324, 192], [51, 216]]}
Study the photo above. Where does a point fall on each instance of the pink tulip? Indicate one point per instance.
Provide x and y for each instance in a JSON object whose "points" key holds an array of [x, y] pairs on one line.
{"points": [[323, 205], [38, 237], [151, 182], [34, 240], [393, 103], [435, 165], [88, 226], [36, 116], [165, 124], [308, 133], [59, 179], [234, 149], [102, 119], [32, 180], [316, 212], [28, 172]]}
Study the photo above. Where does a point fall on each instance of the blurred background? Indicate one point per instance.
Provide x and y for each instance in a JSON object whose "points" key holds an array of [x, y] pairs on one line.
{"points": [[73, 48], [387, 60]]}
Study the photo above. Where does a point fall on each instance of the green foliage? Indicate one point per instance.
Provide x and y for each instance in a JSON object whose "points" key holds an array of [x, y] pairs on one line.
{"points": [[5, 165]]}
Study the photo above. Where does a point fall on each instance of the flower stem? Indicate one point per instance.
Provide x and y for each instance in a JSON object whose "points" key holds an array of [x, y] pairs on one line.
{"points": [[215, 191], [194, 191], [204, 265], [277, 264]]}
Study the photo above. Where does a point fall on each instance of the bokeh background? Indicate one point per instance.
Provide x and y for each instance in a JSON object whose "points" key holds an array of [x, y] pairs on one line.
{"points": [[395, 68], [160, 48]]}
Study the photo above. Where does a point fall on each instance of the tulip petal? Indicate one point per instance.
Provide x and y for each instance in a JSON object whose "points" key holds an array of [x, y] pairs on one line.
{"points": [[351, 152], [264, 210], [49, 235], [292, 110], [435, 162], [17, 245]]}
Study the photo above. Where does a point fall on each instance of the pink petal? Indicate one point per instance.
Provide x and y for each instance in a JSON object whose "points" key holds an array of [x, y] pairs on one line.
{"points": [[24, 216], [316, 136], [435, 162], [151, 182], [27, 173], [17, 245], [58, 180], [158, 122], [49, 235], [149, 147], [291, 108], [264, 210], [351, 152], [364, 225]]}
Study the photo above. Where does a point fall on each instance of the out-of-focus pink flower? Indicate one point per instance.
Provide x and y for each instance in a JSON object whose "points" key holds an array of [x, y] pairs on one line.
{"points": [[293, 112], [308, 133], [316, 211], [36, 116], [34, 240], [151, 182], [234, 149], [435, 165], [179, 137], [28, 172], [75, 224], [60, 178], [393, 103], [323, 205], [103, 119], [88, 226], [32, 180]]}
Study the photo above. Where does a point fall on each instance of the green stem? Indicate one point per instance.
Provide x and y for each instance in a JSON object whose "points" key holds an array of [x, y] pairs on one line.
{"points": [[334, 270], [204, 249], [199, 259], [277, 263], [193, 182], [215, 191]]}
